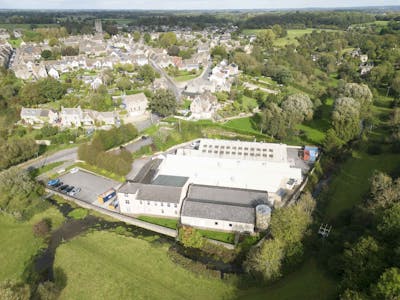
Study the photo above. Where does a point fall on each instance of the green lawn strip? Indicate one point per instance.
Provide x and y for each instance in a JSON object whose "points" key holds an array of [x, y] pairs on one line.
{"points": [[104, 265], [351, 184], [226, 237], [306, 283], [169, 223], [18, 245], [47, 168], [247, 124], [78, 213], [97, 170]]}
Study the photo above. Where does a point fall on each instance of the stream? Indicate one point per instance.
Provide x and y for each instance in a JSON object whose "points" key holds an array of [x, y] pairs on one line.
{"points": [[44, 260]]}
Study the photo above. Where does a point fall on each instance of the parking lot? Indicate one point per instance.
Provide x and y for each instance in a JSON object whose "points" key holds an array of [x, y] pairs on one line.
{"points": [[91, 185]]}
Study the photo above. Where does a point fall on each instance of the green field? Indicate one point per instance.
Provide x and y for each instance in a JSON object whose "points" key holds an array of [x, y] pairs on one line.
{"points": [[226, 237], [306, 283], [292, 34], [17, 246], [351, 184], [170, 223], [246, 124], [104, 265]]}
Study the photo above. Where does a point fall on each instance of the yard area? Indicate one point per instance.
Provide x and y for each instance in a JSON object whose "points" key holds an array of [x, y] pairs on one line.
{"points": [[226, 237], [351, 184], [169, 223], [308, 282], [119, 267], [247, 124], [18, 243]]}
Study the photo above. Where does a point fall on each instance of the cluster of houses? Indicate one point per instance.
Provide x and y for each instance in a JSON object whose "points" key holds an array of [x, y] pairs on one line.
{"points": [[68, 117], [135, 105], [217, 184]]}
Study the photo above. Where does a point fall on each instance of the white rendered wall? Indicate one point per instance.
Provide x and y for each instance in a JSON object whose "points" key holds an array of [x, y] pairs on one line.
{"points": [[217, 224]]}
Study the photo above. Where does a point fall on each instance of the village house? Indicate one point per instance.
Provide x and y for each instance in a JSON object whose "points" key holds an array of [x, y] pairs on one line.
{"points": [[71, 117], [136, 105], [38, 116], [204, 106]]}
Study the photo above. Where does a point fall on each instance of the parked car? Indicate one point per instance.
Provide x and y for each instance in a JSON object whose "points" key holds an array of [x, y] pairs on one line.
{"points": [[57, 185], [74, 191], [53, 182], [68, 189], [63, 187], [74, 170]]}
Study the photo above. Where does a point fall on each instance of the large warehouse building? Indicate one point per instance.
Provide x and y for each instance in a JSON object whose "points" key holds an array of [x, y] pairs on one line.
{"points": [[215, 184]]}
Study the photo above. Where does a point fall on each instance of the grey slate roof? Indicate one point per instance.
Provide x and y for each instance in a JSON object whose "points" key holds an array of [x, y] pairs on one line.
{"points": [[220, 203], [169, 180], [151, 192], [213, 211]]}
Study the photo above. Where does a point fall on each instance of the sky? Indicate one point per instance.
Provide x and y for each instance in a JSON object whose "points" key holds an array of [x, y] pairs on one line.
{"points": [[187, 4]]}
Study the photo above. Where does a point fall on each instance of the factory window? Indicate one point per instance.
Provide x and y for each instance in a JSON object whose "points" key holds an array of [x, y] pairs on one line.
{"points": [[155, 203], [126, 195], [209, 151], [239, 153], [246, 148], [162, 204], [215, 151], [168, 205], [271, 156], [175, 205], [230, 225], [264, 155], [204, 151], [148, 202], [270, 150], [228, 147], [216, 223], [126, 201], [141, 202], [176, 212], [162, 211]]}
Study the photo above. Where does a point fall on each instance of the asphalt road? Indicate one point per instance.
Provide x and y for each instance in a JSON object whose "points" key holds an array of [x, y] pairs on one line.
{"points": [[171, 85], [70, 154]]}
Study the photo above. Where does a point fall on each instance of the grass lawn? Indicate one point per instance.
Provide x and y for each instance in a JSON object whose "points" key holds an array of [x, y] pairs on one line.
{"points": [[170, 223], [15, 43], [226, 237], [47, 168], [78, 213], [104, 265], [292, 34], [246, 124], [306, 283], [97, 170], [186, 75], [17, 245], [315, 129], [351, 184]]}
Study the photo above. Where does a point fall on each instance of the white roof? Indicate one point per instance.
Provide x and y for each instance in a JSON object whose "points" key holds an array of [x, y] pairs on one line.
{"points": [[236, 173]]}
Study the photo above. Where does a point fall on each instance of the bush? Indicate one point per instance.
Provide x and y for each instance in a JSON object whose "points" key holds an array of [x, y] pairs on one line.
{"points": [[41, 228], [190, 237]]}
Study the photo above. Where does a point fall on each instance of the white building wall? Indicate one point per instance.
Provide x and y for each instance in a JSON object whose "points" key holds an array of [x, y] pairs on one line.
{"points": [[217, 224], [130, 205]]}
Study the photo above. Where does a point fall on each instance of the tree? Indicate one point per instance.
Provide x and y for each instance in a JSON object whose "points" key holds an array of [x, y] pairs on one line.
{"points": [[53, 42], [332, 143], [351, 295], [190, 237], [48, 291], [298, 107], [124, 84], [265, 38], [362, 263], [147, 73], [173, 50], [265, 262], [168, 39], [219, 52], [17, 150], [136, 36], [384, 191], [272, 121], [396, 84], [10, 290], [389, 225], [163, 103], [147, 37], [17, 190], [360, 93], [46, 54], [346, 118], [388, 286]]}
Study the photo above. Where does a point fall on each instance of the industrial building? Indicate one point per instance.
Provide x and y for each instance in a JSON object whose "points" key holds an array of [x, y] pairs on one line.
{"points": [[214, 184]]}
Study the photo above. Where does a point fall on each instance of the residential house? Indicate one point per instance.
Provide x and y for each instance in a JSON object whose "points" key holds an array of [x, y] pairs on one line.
{"points": [[71, 116], [204, 106], [34, 116], [136, 104]]}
